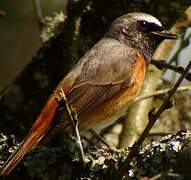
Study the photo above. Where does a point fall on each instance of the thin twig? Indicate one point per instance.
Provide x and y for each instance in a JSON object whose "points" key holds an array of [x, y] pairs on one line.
{"points": [[39, 16], [73, 122], [161, 64], [152, 119], [161, 92]]}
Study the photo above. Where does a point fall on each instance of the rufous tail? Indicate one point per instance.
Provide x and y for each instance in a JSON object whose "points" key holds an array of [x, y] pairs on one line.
{"points": [[36, 132]]}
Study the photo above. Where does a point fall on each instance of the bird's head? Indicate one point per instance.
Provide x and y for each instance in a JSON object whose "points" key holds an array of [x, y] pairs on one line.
{"points": [[139, 30]]}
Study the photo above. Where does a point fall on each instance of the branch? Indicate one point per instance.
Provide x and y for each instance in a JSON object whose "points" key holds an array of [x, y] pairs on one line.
{"points": [[161, 64], [152, 119], [161, 92], [73, 122]]}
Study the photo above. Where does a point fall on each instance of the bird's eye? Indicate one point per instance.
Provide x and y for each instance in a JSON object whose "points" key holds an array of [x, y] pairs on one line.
{"points": [[144, 25], [149, 26]]}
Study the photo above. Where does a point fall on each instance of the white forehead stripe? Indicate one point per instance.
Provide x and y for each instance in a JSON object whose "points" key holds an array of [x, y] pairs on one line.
{"points": [[146, 17], [149, 18]]}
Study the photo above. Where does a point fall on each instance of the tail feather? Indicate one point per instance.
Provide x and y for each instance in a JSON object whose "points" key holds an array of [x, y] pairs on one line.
{"points": [[35, 134]]}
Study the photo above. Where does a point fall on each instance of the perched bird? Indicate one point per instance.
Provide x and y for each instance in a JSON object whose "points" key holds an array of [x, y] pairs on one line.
{"points": [[103, 83]]}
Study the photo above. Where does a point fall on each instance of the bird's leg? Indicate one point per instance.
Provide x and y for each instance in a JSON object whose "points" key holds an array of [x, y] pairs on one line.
{"points": [[98, 137]]}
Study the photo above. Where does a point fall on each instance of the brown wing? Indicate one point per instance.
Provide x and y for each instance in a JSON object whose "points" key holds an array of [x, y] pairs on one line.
{"points": [[100, 74]]}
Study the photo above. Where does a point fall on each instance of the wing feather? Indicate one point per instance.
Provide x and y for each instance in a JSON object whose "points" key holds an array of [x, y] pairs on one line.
{"points": [[100, 74]]}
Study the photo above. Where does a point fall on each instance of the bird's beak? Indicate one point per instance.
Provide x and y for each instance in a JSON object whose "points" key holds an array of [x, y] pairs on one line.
{"points": [[165, 34]]}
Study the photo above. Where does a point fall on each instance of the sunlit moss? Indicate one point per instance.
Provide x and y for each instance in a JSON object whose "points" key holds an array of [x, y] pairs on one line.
{"points": [[51, 25]]}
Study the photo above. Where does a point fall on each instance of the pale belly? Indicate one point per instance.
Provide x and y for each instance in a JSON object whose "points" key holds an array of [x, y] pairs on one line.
{"points": [[111, 110], [110, 120]]}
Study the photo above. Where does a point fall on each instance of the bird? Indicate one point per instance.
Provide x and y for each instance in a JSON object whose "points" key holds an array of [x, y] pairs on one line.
{"points": [[103, 83]]}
